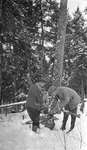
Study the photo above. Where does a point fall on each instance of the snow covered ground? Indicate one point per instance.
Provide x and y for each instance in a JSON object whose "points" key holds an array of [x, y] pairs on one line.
{"points": [[16, 135]]}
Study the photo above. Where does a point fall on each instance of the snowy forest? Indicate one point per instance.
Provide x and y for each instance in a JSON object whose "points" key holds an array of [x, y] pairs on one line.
{"points": [[41, 40], [28, 37]]}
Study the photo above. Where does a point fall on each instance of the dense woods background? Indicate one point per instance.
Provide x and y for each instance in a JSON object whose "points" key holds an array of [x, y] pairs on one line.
{"points": [[28, 36]]}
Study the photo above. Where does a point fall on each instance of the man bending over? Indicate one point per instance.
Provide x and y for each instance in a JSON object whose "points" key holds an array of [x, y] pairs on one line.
{"points": [[68, 99]]}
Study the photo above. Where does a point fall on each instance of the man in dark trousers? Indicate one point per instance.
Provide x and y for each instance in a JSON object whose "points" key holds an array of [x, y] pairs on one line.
{"points": [[35, 103], [68, 99]]}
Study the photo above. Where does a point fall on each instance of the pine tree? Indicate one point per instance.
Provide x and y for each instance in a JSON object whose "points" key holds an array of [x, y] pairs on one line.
{"points": [[76, 53]]}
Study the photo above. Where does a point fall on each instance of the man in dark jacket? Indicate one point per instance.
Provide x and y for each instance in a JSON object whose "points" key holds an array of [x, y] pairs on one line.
{"points": [[35, 103], [68, 99]]}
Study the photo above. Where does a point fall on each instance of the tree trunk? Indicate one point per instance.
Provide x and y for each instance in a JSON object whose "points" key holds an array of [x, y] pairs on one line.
{"points": [[0, 74], [42, 40], [0, 47], [59, 52], [82, 96]]}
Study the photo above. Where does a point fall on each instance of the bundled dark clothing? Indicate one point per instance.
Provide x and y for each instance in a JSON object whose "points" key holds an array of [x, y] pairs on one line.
{"points": [[35, 98], [66, 115], [69, 99], [34, 115], [67, 96], [34, 104]]}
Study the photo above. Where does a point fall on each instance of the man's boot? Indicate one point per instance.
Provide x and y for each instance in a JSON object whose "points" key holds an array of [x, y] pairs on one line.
{"points": [[34, 128]]}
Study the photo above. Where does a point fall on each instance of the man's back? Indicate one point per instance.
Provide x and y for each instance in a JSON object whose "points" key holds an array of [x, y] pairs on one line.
{"points": [[34, 97], [67, 96]]}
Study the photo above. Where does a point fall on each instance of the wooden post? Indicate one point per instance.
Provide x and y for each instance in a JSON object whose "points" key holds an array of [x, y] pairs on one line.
{"points": [[6, 111]]}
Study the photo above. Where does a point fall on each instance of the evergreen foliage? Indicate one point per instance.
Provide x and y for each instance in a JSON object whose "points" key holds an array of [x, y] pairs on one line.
{"points": [[28, 34]]}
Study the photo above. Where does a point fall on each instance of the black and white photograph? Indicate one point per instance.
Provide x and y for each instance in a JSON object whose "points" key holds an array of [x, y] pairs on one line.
{"points": [[43, 74]]}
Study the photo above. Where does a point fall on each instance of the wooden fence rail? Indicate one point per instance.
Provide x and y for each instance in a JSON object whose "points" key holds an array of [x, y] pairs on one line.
{"points": [[13, 104], [12, 107]]}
